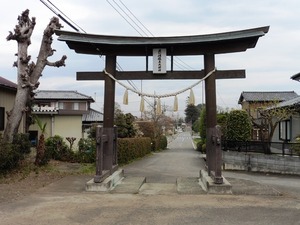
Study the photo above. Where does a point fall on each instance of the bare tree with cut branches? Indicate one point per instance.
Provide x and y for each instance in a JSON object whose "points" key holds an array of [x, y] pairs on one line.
{"points": [[270, 116], [29, 72]]}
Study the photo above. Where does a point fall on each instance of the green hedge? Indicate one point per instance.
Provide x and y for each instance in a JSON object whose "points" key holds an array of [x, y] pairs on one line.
{"points": [[159, 143], [132, 148]]}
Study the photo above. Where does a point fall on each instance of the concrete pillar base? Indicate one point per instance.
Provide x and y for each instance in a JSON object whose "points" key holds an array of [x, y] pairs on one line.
{"points": [[107, 184], [210, 187]]}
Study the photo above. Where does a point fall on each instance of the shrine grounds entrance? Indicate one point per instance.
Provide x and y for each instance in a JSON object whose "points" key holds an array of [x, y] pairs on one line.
{"points": [[160, 47]]}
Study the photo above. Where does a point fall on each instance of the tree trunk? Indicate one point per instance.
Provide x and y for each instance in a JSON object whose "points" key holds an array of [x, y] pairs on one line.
{"points": [[14, 117], [40, 151], [28, 73]]}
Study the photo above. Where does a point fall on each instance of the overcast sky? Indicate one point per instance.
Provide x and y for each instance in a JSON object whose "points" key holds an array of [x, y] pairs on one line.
{"points": [[268, 66]]}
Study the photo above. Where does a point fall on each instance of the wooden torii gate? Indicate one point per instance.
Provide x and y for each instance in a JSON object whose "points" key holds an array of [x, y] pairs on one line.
{"points": [[206, 45]]}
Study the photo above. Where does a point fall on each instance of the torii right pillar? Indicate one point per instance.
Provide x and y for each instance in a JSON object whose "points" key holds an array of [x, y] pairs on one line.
{"points": [[213, 135]]}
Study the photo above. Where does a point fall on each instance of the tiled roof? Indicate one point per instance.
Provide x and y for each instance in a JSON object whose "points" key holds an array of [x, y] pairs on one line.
{"points": [[250, 96], [61, 95], [92, 116], [288, 103], [7, 84]]}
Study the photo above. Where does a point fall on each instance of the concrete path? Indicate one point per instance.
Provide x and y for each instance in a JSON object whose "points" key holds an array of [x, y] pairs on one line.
{"points": [[179, 160], [171, 171], [158, 200]]}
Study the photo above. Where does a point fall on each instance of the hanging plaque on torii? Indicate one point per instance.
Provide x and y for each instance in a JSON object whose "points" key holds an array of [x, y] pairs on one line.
{"points": [[206, 45]]}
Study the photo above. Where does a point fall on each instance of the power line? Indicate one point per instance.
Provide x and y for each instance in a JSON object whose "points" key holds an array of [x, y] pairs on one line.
{"points": [[71, 25], [123, 17], [129, 17], [66, 16], [141, 29], [59, 15], [137, 19], [67, 20]]}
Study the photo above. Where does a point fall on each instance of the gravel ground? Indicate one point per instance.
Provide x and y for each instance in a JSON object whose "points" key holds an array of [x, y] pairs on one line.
{"points": [[29, 179]]}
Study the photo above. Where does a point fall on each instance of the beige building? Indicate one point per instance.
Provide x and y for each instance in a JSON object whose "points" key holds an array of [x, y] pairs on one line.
{"points": [[8, 92], [62, 111]]}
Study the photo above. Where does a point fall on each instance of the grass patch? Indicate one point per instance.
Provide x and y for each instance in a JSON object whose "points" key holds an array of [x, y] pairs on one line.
{"points": [[196, 140], [88, 168]]}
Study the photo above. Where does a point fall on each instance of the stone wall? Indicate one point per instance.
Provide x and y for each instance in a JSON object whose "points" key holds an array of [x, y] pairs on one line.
{"points": [[261, 163]]}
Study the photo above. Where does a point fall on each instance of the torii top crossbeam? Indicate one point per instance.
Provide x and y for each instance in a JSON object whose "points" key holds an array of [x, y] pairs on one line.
{"points": [[236, 41]]}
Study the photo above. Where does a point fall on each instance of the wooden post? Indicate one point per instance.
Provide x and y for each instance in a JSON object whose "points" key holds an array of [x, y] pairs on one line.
{"points": [[108, 147], [218, 179], [211, 111], [108, 115], [115, 147], [109, 92], [213, 133], [99, 155]]}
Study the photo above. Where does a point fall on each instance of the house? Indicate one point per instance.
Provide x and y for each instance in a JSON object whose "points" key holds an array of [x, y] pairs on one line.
{"points": [[92, 118], [62, 111], [253, 101], [8, 92], [289, 129]]}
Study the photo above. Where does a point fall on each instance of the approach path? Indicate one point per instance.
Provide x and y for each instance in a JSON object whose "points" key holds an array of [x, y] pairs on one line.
{"points": [[179, 160]]}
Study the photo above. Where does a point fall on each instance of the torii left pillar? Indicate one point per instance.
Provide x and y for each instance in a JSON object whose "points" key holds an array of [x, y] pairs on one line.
{"points": [[106, 162], [213, 136]]}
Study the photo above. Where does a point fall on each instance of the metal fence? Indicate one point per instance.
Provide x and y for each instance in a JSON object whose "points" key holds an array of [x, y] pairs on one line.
{"points": [[279, 148]]}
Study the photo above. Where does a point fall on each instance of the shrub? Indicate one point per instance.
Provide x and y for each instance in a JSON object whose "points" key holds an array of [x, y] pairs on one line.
{"points": [[202, 123], [86, 150], [159, 143], [22, 143], [199, 144], [163, 142], [57, 149], [147, 128], [238, 126], [296, 146], [9, 157], [132, 148], [203, 148], [125, 125], [12, 153], [129, 149]]}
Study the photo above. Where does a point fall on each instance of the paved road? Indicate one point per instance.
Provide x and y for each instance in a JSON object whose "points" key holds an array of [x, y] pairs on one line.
{"points": [[66, 202], [179, 160], [288, 185]]}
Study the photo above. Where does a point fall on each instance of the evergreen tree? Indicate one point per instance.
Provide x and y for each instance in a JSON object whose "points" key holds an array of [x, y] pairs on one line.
{"points": [[238, 126], [203, 123], [192, 113]]}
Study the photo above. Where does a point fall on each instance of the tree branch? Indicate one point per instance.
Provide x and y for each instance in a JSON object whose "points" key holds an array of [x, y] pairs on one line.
{"points": [[23, 29], [58, 63]]}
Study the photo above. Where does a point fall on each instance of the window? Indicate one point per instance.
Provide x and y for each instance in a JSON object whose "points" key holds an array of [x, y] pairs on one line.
{"points": [[2, 114], [68, 105], [285, 130], [72, 105], [61, 105], [65, 105], [76, 105], [82, 106], [258, 110]]}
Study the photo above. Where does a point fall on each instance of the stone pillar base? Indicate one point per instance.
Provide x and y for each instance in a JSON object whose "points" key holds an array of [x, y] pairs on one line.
{"points": [[107, 184], [210, 187]]}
